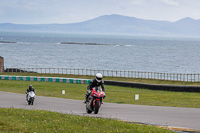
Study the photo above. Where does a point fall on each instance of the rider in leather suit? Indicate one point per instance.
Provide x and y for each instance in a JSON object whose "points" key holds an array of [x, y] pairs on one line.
{"points": [[93, 83], [30, 88]]}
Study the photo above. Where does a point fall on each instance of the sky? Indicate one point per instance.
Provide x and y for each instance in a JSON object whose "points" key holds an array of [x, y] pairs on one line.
{"points": [[72, 11]]}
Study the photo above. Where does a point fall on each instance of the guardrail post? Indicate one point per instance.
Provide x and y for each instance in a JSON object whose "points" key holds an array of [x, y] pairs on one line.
{"points": [[191, 77]]}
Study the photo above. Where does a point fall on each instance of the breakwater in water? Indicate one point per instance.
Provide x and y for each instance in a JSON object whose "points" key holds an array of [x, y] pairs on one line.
{"points": [[7, 42], [91, 44]]}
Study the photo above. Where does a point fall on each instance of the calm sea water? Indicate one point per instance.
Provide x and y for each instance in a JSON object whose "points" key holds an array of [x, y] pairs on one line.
{"points": [[149, 54]]}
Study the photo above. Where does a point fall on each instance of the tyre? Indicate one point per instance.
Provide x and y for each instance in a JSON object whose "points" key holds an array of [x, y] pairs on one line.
{"points": [[96, 108], [87, 109], [32, 101]]}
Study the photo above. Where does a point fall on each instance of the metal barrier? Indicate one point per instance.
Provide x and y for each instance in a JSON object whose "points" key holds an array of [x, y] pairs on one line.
{"points": [[46, 79], [112, 73], [177, 88]]}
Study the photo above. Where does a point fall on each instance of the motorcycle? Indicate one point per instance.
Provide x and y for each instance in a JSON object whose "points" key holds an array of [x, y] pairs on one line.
{"points": [[31, 97], [95, 100]]}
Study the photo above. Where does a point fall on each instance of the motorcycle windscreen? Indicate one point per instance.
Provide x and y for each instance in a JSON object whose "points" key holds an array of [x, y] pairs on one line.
{"points": [[31, 94]]}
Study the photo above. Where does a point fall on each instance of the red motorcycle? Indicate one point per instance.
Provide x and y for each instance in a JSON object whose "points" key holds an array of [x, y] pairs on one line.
{"points": [[95, 100]]}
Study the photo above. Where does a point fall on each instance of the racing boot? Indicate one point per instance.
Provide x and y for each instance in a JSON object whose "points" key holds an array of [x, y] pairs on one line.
{"points": [[86, 98]]}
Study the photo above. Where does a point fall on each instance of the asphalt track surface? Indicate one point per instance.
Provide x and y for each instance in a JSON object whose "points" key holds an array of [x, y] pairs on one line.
{"points": [[153, 115]]}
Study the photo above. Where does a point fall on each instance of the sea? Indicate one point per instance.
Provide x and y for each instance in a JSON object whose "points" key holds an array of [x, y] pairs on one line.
{"points": [[100, 52]]}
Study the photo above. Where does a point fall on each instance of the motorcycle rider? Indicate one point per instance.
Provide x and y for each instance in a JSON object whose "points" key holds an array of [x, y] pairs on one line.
{"points": [[93, 83], [30, 88]]}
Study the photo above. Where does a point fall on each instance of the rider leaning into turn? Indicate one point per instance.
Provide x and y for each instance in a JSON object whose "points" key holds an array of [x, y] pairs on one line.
{"points": [[93, 83], [30, 88]]}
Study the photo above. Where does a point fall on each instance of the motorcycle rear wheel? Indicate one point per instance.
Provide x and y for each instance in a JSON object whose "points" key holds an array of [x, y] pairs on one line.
{"points": [[87, 109]]}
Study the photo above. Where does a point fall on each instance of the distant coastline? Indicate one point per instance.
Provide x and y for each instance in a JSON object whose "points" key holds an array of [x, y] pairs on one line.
{"points": [[117, 25]]}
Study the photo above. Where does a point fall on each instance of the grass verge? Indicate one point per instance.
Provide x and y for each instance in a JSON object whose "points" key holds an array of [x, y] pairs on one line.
{"points": [[114, 94], [33, 121]]}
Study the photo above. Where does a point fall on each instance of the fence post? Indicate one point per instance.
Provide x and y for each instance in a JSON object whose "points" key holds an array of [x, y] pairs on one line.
{"points": [[164, 76], [167, 76], [180, 77], [135, 74], [191, 77]]}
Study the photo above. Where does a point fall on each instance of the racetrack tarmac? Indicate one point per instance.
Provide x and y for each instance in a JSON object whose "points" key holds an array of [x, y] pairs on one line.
{"points": [[153, 115]]}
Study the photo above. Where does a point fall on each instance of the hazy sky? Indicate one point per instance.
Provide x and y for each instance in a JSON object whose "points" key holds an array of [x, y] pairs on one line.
{"points": [[70, 11]]}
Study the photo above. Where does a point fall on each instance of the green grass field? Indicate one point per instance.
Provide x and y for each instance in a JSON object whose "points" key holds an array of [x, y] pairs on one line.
{"points": [[37, 121], [17, 120], [114, 94]]}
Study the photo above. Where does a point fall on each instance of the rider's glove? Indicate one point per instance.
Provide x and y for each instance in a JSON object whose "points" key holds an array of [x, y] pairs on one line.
{"points": [[89, 91]]}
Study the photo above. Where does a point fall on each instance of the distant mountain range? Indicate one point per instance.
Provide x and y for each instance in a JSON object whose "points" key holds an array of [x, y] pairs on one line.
{"points": [[115, 24]]}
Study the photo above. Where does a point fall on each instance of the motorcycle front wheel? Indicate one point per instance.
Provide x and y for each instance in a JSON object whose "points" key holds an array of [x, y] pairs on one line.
{"points": [[96, 108], [32, 100]]}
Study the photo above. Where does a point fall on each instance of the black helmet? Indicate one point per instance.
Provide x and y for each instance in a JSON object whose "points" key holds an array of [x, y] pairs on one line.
{"points": [[30, 87]]}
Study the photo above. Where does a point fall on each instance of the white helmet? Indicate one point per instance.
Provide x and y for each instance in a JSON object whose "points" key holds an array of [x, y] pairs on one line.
{"points": [[99, 77]]}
